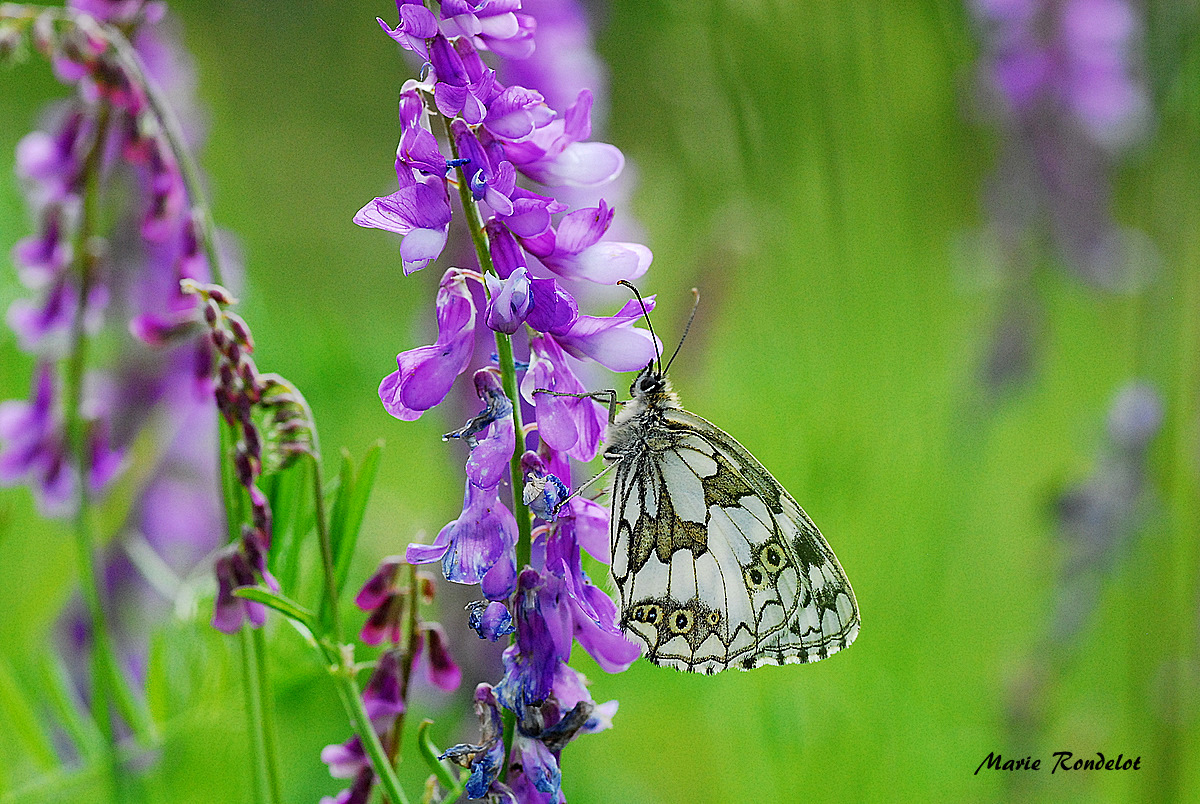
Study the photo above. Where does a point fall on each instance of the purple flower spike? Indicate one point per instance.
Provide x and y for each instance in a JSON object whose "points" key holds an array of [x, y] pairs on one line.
{"points": [[424, 375], [417, 24], [565, 423], [477, 544], [490, 620], [444, 672], [420, 213], [612, 342]]}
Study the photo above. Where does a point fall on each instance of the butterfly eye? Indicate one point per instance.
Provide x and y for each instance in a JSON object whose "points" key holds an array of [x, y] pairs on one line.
{"points": [[773, 557], [681, 621], [714, 618], [755, 578]]}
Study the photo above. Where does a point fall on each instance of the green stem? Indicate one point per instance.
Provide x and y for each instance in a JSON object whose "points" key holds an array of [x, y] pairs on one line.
{"points": [[410, 636], [504, 352], [267, 724], [343, 676], [327, 564], [254, 716], [508, 379]]}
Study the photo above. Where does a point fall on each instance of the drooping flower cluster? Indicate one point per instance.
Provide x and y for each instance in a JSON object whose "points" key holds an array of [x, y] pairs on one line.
{"points": [[273, 426], [89, 283], [118, 356], [1062, 80], [505, 152]]}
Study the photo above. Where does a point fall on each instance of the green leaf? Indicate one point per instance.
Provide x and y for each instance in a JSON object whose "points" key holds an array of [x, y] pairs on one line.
{"points": [[287, 493], [284, 605], [19, 718], [430, 753], [358, 495], [71, 712]]}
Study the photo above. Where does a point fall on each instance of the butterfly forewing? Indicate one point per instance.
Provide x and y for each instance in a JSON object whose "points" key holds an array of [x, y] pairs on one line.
{"points": [[716, 564]]}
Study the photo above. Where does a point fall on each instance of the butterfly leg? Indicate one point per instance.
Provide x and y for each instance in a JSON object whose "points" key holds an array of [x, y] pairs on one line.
{"points": [[608, 397]]}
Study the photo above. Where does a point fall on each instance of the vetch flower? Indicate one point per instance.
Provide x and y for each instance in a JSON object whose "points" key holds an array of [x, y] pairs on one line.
{"points": [[416, 25], [476, 548], [419, 212], [556, 155], [424, 375], [572, 424], [486, 758], [575, 250], [490, 619], [611, 341]]}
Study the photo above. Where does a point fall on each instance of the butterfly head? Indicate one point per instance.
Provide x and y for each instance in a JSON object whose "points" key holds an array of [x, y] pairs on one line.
{"points": [[649, 383]]}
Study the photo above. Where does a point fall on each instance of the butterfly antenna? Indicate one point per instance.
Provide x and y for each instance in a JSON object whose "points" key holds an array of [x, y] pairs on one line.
{"points": [[688, 326], [646, 315]]}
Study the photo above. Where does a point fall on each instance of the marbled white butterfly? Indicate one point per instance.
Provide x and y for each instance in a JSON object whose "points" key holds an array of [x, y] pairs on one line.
{"points": [[716, 564]]}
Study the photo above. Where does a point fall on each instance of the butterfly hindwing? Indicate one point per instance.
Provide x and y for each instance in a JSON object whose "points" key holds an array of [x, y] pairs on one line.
{"points": [[716, 563]]}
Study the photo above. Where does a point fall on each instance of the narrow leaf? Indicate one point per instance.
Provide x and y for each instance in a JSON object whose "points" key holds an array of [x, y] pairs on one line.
{"points": [[430, 753], [20, 719], [356, 508], [284, 605], [72, 714]]}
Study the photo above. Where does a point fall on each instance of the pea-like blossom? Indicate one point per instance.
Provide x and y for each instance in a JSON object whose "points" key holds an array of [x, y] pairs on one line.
{"points": [[424, 375]]}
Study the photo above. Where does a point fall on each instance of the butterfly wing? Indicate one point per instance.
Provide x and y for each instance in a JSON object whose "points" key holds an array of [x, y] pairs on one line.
{"points": [[716, 563]]}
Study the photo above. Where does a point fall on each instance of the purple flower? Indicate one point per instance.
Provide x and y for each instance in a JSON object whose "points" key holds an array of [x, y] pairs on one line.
{"points": [[34, 446], [419, 212], [611, 341], [476, 548], [418, 149], [456, 94], [490, 454], [490, 619], [491, 24], [424, 375], [485, 759], [443, 671], [383, 697], [572, 424], [555, 154], [543, 641], [381, 585], [574, 249], [510, 302], [417, 24]]}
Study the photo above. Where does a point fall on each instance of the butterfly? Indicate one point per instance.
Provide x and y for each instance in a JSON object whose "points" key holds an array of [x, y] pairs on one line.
{"points": [[716, 564]]}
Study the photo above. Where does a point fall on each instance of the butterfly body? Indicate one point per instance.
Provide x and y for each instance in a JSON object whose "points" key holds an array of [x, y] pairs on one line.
{"points": [[716, 564]]}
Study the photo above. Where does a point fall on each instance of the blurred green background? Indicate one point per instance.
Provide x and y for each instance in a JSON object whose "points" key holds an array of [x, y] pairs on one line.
{"points": [[809, 166]]}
